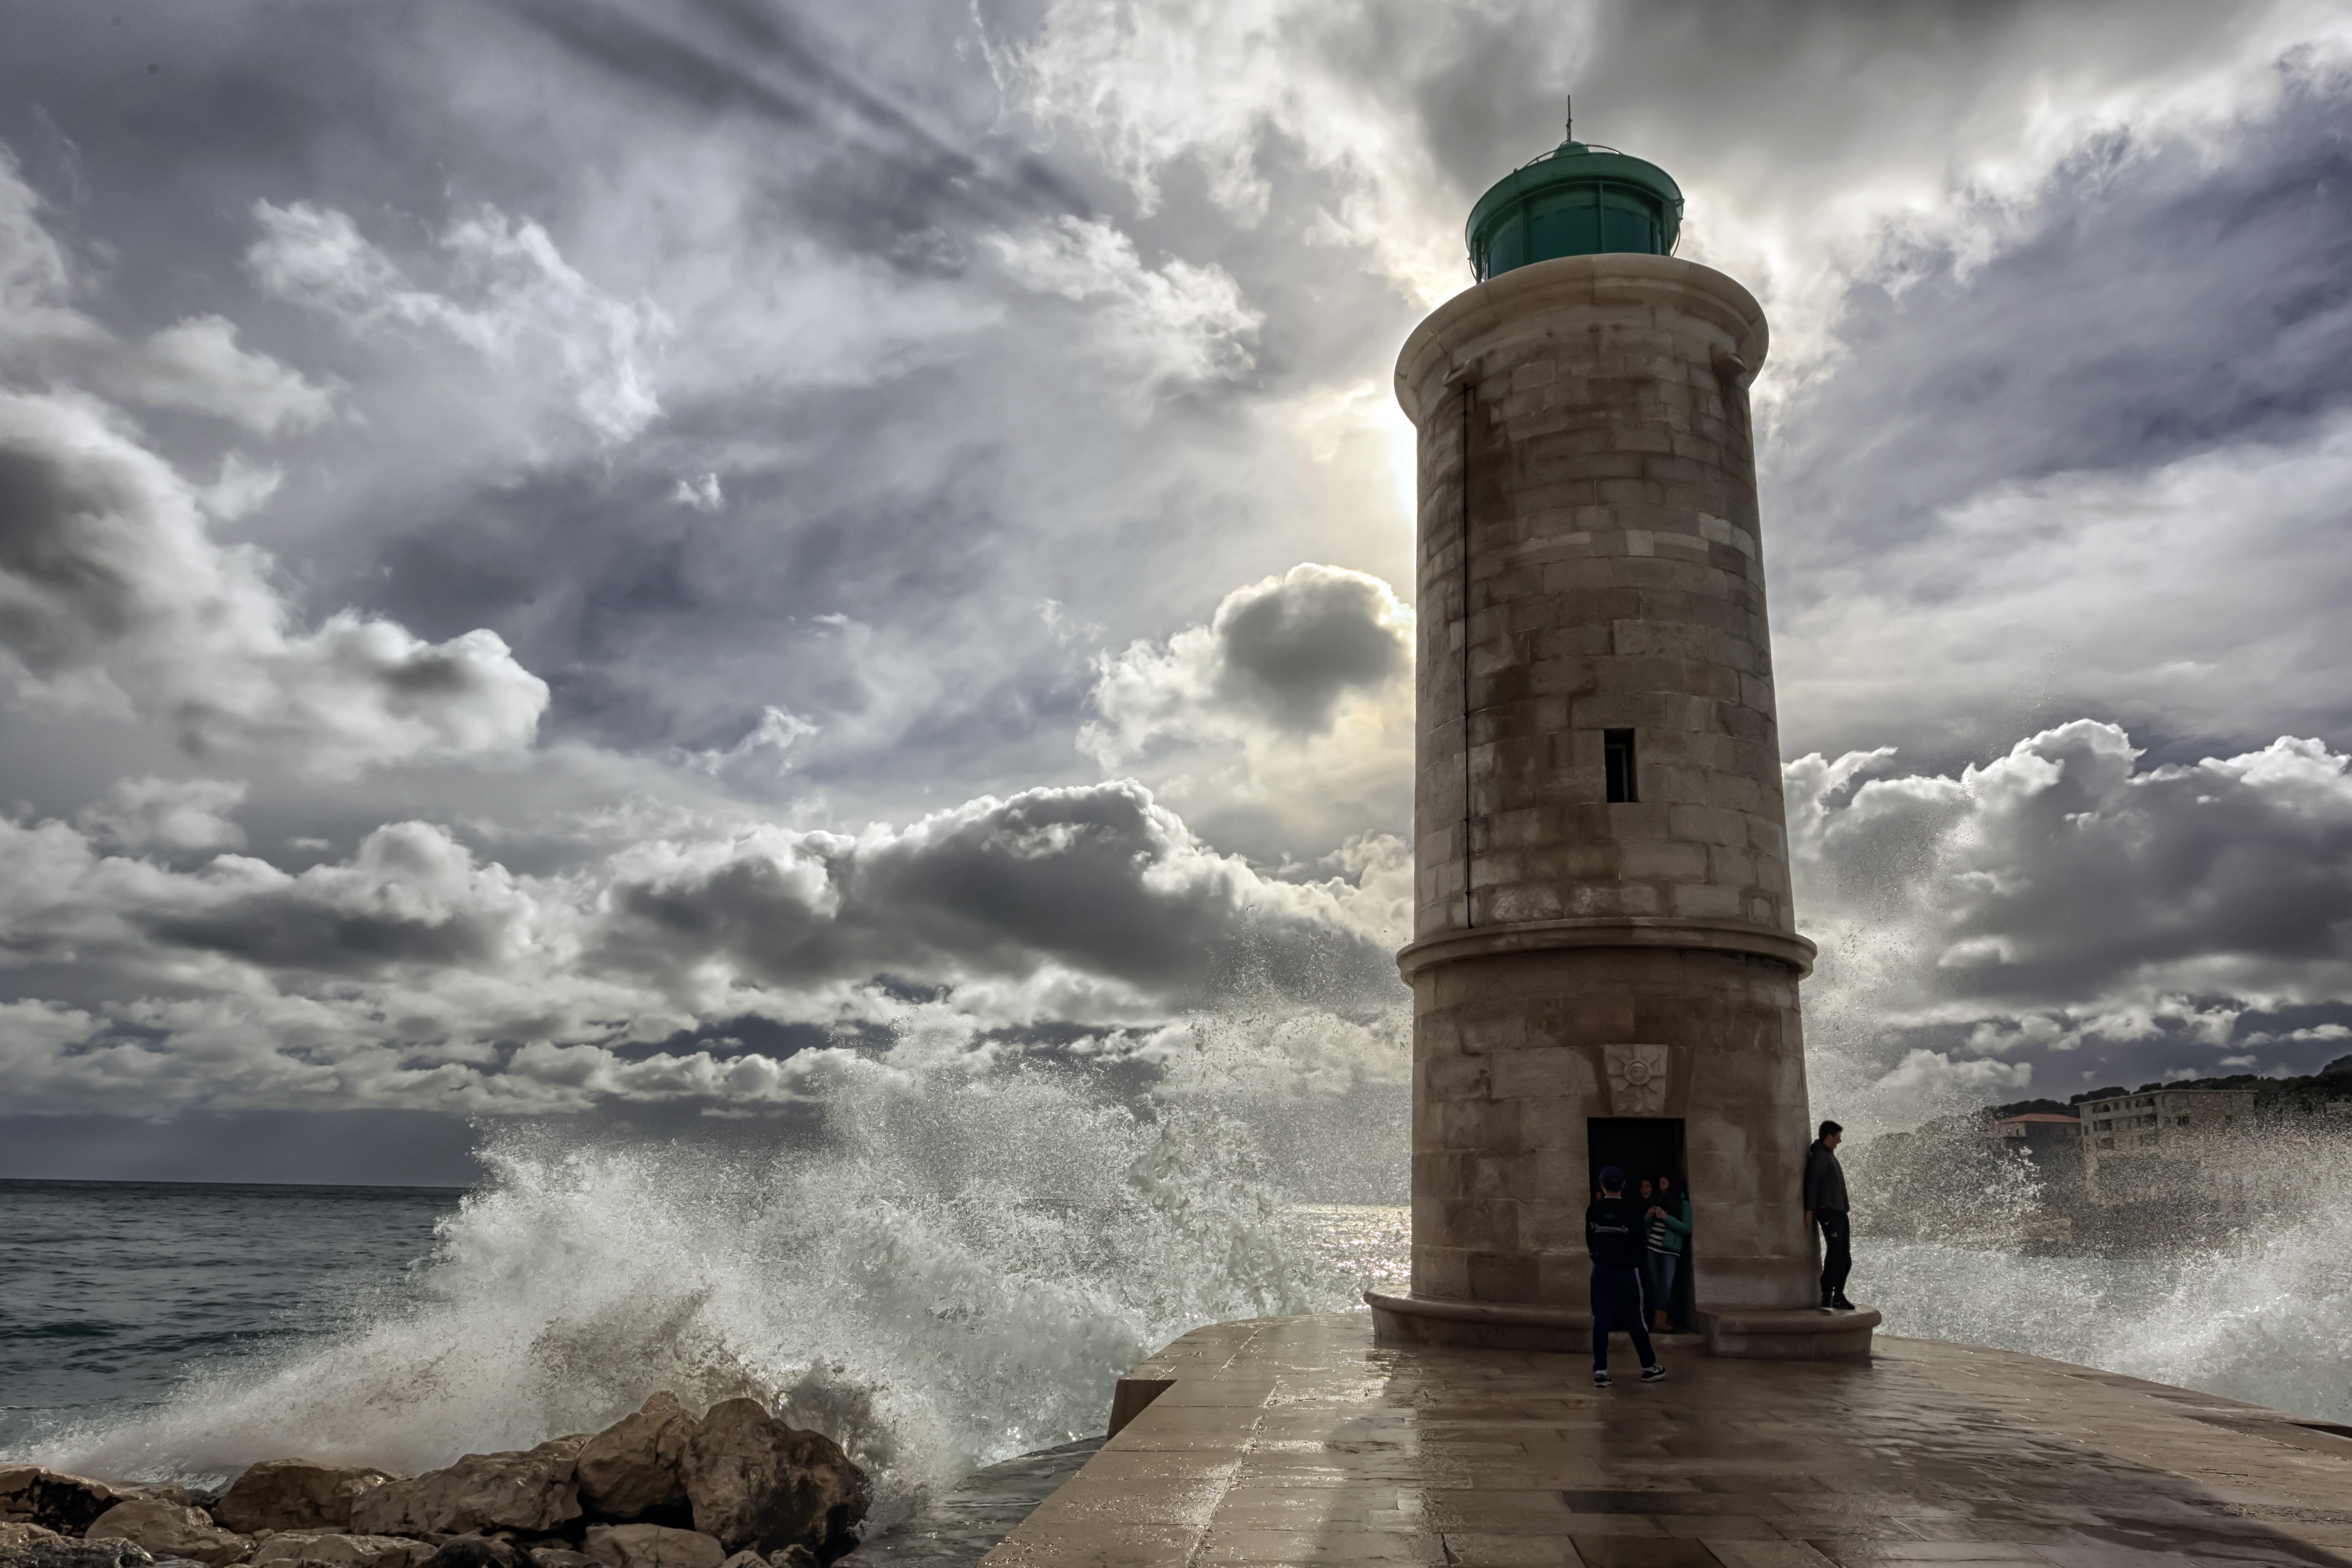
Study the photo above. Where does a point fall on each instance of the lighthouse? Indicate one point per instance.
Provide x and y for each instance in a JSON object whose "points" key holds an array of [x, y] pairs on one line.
{"points": [[1605, 957]]}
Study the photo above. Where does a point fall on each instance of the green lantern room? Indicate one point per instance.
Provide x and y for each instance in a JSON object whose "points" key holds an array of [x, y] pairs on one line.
{"points": [[1576, 200]]}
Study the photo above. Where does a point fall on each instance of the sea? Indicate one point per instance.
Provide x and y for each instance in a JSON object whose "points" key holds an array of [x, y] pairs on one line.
{"points": [[936, 1313]]}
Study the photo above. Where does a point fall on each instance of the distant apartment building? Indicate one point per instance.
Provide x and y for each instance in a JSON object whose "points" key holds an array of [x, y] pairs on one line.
{"points": [[2053, 1144], [2136, 1144]]}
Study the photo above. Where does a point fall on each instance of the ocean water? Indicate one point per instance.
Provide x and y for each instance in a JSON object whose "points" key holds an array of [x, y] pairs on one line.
{"points": [[955, 1274], [955, 1271], [111, 1293]]}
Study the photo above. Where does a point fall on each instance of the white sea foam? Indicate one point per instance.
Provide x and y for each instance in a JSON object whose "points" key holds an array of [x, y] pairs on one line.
{"points": [[955, 1271], [959, 1268], [2258, 1310]]}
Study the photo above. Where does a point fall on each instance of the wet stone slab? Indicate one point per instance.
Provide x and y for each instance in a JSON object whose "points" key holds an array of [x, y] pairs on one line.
{"points": [[1296, 1440]]}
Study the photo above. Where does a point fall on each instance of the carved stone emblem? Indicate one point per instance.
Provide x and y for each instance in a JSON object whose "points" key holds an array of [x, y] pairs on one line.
{"points": [[1637, 1079]]}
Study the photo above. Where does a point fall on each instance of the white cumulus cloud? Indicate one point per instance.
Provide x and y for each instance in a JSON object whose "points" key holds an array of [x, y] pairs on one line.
{"points": [[112, 593], [1292, 706]]}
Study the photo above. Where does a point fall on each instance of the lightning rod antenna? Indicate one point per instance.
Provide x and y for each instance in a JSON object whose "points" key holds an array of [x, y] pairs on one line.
{"points": [[1570, 127]]}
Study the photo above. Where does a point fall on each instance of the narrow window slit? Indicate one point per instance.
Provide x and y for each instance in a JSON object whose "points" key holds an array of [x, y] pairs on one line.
{"points": [[1617, 759]]}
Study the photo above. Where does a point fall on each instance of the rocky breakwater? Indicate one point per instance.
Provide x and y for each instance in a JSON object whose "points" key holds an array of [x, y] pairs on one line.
{"points": [[659, 1488]]}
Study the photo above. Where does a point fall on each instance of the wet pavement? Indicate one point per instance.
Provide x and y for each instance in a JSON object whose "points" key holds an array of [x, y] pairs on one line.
{"points": [[1294, 1440]]}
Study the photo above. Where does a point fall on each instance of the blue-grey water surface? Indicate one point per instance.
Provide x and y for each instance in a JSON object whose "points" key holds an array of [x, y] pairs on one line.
{"points": [[112, 1292]]}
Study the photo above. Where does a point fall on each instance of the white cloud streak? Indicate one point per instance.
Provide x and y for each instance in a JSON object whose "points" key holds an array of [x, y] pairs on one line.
{"points": [[511, 298]]}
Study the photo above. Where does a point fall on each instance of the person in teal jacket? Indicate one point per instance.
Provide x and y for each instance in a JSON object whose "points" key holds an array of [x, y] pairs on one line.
{"points": [[1670, 1228]]}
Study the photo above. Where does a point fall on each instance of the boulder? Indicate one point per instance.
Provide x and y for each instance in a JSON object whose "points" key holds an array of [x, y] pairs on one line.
{"points": [[299, 1548], [631, 1470], [478, 1551], [166, 1529], [22, 1532], [790, 1557], [52, 1500], [652, 1546], [169, 1492], [559, 1557], [531, 1490], [755, 1482], [295, 1494], [56, 1552]]}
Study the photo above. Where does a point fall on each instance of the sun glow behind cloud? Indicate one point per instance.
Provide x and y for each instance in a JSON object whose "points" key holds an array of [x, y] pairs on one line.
{"points": [[579, 579]]}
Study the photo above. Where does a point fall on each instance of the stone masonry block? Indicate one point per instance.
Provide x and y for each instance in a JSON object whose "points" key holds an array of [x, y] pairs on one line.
{"points": [[1440, 1272], [1668, 862], [1502, 1177], [1705, 901], [1450, 1076], [1502, 1277], [1543, 1072], [1491, 1028], [1564, 1277], [1442, 1174], [1548, 1224], [1708, 824], [1553, 1123]]}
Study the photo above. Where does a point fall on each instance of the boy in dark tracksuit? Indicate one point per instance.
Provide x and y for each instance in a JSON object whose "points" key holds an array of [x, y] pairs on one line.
{"points": [[1613, 1234]]}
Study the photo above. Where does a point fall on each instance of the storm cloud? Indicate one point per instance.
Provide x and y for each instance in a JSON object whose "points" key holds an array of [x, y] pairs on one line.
{"points": [[568, 557], [417, 968], [2064, 900]]}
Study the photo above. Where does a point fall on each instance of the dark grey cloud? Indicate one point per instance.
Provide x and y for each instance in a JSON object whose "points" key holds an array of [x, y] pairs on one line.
{"points": [[722, 55], [819, 418], [1096, 880], [696, 965], [1296, 647]]}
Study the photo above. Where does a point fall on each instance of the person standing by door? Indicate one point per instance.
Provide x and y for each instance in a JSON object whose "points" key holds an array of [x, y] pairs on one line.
{"points": [[1825, 1205], [1669, 1216], [1612, 1235]]}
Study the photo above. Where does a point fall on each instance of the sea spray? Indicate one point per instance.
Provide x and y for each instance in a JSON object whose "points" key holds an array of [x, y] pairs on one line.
{"points": [[953, 1267], [2240, 1287]]}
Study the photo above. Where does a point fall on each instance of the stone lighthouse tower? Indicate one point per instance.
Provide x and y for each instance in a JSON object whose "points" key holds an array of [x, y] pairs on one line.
{"points": [[1605, 958]]}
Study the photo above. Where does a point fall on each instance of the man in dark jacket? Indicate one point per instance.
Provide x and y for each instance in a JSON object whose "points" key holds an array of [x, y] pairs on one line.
{"points": [[1825, 1205], [1613, 1234]]}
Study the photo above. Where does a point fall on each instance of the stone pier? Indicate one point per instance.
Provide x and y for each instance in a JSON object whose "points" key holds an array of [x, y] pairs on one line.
{"points": [[1298, 1440]]}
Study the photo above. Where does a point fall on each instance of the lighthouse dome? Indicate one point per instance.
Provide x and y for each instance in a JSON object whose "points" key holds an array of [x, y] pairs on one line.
{"points": [[1577, 199]]}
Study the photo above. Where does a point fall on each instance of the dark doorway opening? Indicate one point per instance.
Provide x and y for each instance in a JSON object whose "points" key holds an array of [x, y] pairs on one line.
{"points": [[1644, 1146]]}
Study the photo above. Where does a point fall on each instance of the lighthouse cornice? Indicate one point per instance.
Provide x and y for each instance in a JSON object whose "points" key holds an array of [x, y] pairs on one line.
{"points": [[1458, 333], [1736, 936]]}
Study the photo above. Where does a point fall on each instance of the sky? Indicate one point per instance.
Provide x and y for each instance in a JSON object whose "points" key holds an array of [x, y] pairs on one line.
{"points": [[578, 560]]}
